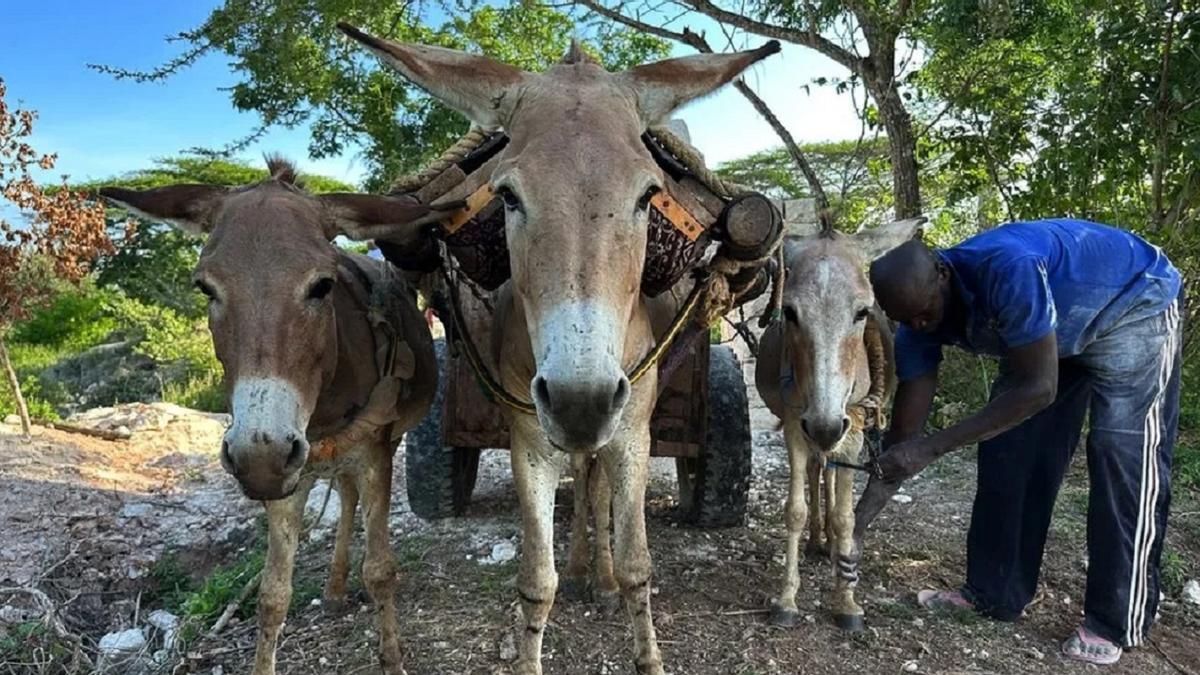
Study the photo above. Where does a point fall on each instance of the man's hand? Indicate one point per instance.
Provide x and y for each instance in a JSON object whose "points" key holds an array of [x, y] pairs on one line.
{"points": [[903, 460]]}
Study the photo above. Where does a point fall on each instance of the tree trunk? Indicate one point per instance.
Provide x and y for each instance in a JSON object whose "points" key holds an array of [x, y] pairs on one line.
{"points": [[22, 411], [903, 143]]}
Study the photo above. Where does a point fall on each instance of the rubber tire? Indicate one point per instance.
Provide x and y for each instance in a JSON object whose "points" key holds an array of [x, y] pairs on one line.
{"points": [[439, 479], [721, 480]]}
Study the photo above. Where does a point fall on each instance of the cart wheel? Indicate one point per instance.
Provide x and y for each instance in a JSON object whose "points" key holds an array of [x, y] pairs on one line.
{"points": [[440, 480], [714, 487]]}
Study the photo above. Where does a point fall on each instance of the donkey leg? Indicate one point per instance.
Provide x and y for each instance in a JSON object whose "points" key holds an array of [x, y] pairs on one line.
{"points": [[795, 513], [275, 589], [339, 566], [817, 546], [847, 612], [607, 590], [575, 580], [535, 472], [831, 497], [378, 567], [626, 462]]}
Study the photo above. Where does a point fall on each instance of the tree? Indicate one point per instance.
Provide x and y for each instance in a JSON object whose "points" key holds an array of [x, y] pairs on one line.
{"points": [[837, 30], [1083, 109], [63, 234], [297, 68]]}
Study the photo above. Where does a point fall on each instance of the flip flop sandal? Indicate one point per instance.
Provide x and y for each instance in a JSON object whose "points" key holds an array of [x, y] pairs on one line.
{"points": [[1083, 645], [943, 600]]}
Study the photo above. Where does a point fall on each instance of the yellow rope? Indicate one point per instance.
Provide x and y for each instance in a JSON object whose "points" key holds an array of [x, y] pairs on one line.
{"points": [[453, 155]]}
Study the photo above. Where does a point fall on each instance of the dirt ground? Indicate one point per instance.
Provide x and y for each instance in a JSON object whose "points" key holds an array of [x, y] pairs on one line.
{"points": [[85, 520]]}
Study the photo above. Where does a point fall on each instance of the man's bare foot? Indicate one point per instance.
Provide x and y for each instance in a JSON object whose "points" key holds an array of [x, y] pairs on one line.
{"points": [[1086, 646]]}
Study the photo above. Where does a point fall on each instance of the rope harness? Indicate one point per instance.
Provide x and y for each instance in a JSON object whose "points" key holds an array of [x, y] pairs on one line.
{"points": [[867, 414], [396, 364], [718, 289]]}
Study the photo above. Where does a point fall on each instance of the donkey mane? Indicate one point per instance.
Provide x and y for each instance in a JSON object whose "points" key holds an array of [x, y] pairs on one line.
{"points": [[283, 170]]}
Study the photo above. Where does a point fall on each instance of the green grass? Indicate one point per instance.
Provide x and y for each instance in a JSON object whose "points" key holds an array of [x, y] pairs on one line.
{"points": [[901, 611], [1175, 572], [205, 391]]}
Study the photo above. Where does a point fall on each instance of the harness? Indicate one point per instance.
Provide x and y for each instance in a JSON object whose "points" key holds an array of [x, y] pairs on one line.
{"points": [[394, 360], [471, 246], [867, 413]]}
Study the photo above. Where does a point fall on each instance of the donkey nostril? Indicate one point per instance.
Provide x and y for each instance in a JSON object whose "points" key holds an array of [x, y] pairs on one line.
{"points": [[621, 396], [804, 427], [226, 457], [845, 425], [296, 456], [541, 390]]}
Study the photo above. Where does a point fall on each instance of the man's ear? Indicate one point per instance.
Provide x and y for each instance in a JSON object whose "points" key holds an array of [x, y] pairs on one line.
{"points": [[191, 208]]}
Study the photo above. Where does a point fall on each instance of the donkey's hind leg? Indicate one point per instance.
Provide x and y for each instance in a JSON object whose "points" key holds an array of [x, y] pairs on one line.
{"points": [[607, 592], [339, 567], [574, 584], [378, 568], [817, 546]]}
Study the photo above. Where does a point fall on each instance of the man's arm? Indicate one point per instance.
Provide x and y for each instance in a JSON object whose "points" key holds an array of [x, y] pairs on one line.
{"points": [[1035, 383], [910, 408]]}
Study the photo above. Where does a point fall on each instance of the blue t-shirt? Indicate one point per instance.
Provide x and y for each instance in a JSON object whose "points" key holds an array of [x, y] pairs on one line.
{"points": [[1022, 280]]}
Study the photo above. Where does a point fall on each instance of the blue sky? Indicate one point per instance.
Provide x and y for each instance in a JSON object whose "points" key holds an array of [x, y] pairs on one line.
{"points": [[101, 127]]}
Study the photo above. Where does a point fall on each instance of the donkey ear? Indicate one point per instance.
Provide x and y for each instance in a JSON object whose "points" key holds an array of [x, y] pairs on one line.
{"points": [[191, 208], [480, 88], [664, 86], [362, 217], [874, 242]]}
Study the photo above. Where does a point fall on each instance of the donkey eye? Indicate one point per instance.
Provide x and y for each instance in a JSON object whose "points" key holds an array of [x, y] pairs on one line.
{"points": [[321, 289], [643, 202], [862, 314], [509, 197], [790, 314]]}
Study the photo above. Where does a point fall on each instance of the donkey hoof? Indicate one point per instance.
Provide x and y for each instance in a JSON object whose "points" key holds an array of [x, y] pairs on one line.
{"points": [[851, 623], [575, 589], [784, 618], [609, 602]]}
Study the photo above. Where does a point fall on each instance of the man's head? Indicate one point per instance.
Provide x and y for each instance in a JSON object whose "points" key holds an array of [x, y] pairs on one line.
{"points": [[912, 286]]}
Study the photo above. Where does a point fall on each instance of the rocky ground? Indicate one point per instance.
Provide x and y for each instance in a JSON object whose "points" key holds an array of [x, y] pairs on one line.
{"points": [[88, 523]]}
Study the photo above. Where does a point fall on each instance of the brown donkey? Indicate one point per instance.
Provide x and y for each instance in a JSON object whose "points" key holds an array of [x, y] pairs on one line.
{"points": [[576, 181], [814, 373], [327, 361]]}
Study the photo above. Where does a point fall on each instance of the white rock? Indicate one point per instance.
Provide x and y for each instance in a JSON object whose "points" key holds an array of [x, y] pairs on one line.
{"points": [[12, 420], [502, 552], [10, 614], [1191, 592], [163, 620], [122, 642], [316, 499], [508, 647], [902, 499], [137, 510], [909, 667]]}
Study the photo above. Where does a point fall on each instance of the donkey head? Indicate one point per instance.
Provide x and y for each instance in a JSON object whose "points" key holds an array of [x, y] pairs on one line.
{"points": [[827, 302], [576, 181], [273, 282]]}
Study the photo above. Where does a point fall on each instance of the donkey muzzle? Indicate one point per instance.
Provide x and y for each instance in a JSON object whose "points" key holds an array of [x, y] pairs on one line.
{"points": [[580, 415], [266, 466]]}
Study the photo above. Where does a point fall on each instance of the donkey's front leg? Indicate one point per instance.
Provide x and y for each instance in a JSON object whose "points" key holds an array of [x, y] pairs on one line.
{"points": [[575, 580], [339, 566], [847, 613], [535, 467], [784, 611], [275, 589], [627, 461], [378, 567]]}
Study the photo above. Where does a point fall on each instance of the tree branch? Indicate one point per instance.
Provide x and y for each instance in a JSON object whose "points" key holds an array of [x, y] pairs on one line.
{"points": [[810, 38], [697, 42]]}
